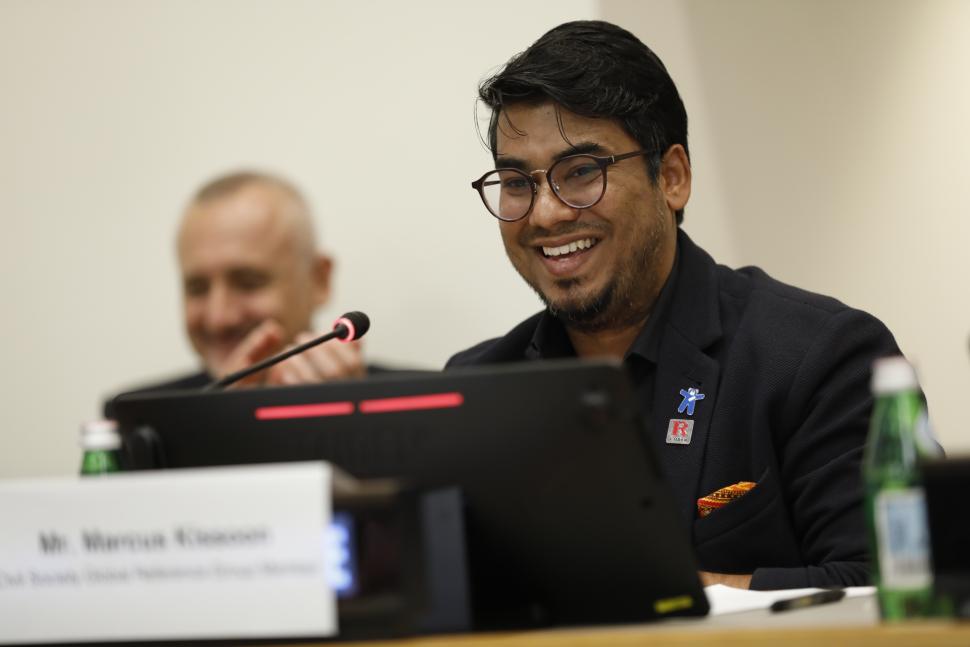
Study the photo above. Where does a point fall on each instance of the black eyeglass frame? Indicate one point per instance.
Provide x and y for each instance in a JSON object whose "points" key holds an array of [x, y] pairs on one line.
{"points": [[603, 161]]}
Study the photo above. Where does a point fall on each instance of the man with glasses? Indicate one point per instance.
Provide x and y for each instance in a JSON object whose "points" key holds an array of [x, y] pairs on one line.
{"points": [[754, 393]]}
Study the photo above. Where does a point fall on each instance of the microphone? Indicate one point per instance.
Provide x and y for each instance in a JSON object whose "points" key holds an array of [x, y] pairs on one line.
{"points": [[350, 327], [347, 328]]}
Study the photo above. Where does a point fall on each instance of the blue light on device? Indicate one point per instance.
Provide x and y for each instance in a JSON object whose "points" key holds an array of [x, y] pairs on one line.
{"points": [[342, 557]]}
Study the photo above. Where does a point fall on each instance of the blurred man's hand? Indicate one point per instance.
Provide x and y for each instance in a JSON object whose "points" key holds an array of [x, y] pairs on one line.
{"points": [[262, 341], [328, 361], [332, 360]]}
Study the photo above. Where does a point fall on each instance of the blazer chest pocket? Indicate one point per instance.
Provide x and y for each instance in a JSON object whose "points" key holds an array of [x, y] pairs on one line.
{"points": [[750, 532]]}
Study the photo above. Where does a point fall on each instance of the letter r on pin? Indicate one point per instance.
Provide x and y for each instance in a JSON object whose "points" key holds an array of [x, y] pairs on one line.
{"points": [[679, 431]]}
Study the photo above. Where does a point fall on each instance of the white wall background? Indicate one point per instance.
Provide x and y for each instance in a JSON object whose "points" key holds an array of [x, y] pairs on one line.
{"points": [[112, 112], [829, 141]]}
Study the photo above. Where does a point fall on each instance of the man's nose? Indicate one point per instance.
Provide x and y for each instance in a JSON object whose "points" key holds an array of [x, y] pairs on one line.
{"points": [[548, 210], [222, 310]]}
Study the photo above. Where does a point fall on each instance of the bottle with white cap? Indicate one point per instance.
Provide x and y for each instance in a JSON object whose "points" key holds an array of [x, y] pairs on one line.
{"points": [[101, 444], [895, 506]]}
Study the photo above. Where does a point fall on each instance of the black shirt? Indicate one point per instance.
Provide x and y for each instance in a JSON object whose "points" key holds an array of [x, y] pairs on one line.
{"points": [[551, 341]]}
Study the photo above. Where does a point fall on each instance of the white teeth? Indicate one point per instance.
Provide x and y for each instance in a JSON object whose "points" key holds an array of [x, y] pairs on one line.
{"points": [[576, 245]]}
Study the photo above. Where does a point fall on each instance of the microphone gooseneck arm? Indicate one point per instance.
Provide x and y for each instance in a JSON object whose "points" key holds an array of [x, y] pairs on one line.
{"points": [[347, 328]]}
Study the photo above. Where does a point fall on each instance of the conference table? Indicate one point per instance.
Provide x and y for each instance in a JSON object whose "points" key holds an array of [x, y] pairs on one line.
{"points": [[853, 621]]}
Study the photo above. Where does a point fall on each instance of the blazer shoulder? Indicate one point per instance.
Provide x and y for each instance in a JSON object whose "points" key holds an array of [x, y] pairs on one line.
{"points": [[473, 356], [775, 315], [509, 348], [753, 283]]}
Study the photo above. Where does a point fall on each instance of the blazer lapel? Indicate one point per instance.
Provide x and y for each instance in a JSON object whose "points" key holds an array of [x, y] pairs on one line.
{"points": [[692, 327], [682, 366]]}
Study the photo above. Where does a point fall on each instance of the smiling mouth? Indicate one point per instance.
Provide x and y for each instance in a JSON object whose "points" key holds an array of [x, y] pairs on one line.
{"points": [[224, 343], [569, 248]]}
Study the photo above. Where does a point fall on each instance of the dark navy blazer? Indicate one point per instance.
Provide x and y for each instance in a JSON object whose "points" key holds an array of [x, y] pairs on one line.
{"points": [[785, 375]]}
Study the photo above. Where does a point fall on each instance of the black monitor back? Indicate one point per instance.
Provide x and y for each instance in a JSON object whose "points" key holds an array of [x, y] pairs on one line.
{"points": [[947, 482], [568, 519]]}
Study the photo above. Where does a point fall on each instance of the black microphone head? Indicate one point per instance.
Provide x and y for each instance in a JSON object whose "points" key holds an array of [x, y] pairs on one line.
{"points": [[355, 323]]}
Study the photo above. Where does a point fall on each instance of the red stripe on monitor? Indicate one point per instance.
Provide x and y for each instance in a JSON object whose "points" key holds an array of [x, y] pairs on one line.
{"points": [[413, 403], [320, 410]]}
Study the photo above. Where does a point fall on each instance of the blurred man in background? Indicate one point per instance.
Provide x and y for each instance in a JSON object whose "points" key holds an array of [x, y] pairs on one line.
{"points": [[252, 278]]}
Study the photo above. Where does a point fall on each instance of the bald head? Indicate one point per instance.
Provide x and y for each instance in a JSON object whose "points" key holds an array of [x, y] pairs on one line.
{"points": [[247, 252], [249, 191]]}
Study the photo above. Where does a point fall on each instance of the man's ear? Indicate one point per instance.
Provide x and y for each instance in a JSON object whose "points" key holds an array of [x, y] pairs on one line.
{"points": [[675, 176], [320, 276]]}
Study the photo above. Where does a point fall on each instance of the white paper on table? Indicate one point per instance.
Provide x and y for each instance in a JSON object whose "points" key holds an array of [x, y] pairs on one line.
{"points": [[727, 599]]}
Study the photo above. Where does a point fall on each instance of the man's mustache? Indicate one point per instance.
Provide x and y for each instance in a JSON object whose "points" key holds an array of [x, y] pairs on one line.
{"points": [[530, 234]]}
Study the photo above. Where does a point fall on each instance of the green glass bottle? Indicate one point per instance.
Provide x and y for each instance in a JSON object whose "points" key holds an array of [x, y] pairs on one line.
{"points": [[100, 443], [895, 504]]}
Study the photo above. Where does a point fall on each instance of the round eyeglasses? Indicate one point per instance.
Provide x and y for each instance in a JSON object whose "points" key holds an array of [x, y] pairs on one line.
{"points": [[579, 181]]}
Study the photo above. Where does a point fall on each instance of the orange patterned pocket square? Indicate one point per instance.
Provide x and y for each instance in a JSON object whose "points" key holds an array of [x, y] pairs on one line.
{"points": [[708, 504]]}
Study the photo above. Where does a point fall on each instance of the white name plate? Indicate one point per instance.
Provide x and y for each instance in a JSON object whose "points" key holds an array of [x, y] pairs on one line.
{"points": [[184, 554]]}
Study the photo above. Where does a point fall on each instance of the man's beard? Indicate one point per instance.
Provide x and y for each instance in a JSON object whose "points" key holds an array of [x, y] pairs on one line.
{"points": [[619, 304], [589, 315], [628, 296]]}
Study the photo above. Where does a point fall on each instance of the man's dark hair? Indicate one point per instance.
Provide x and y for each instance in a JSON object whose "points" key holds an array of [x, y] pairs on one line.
{"points": [[595, 69]]}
